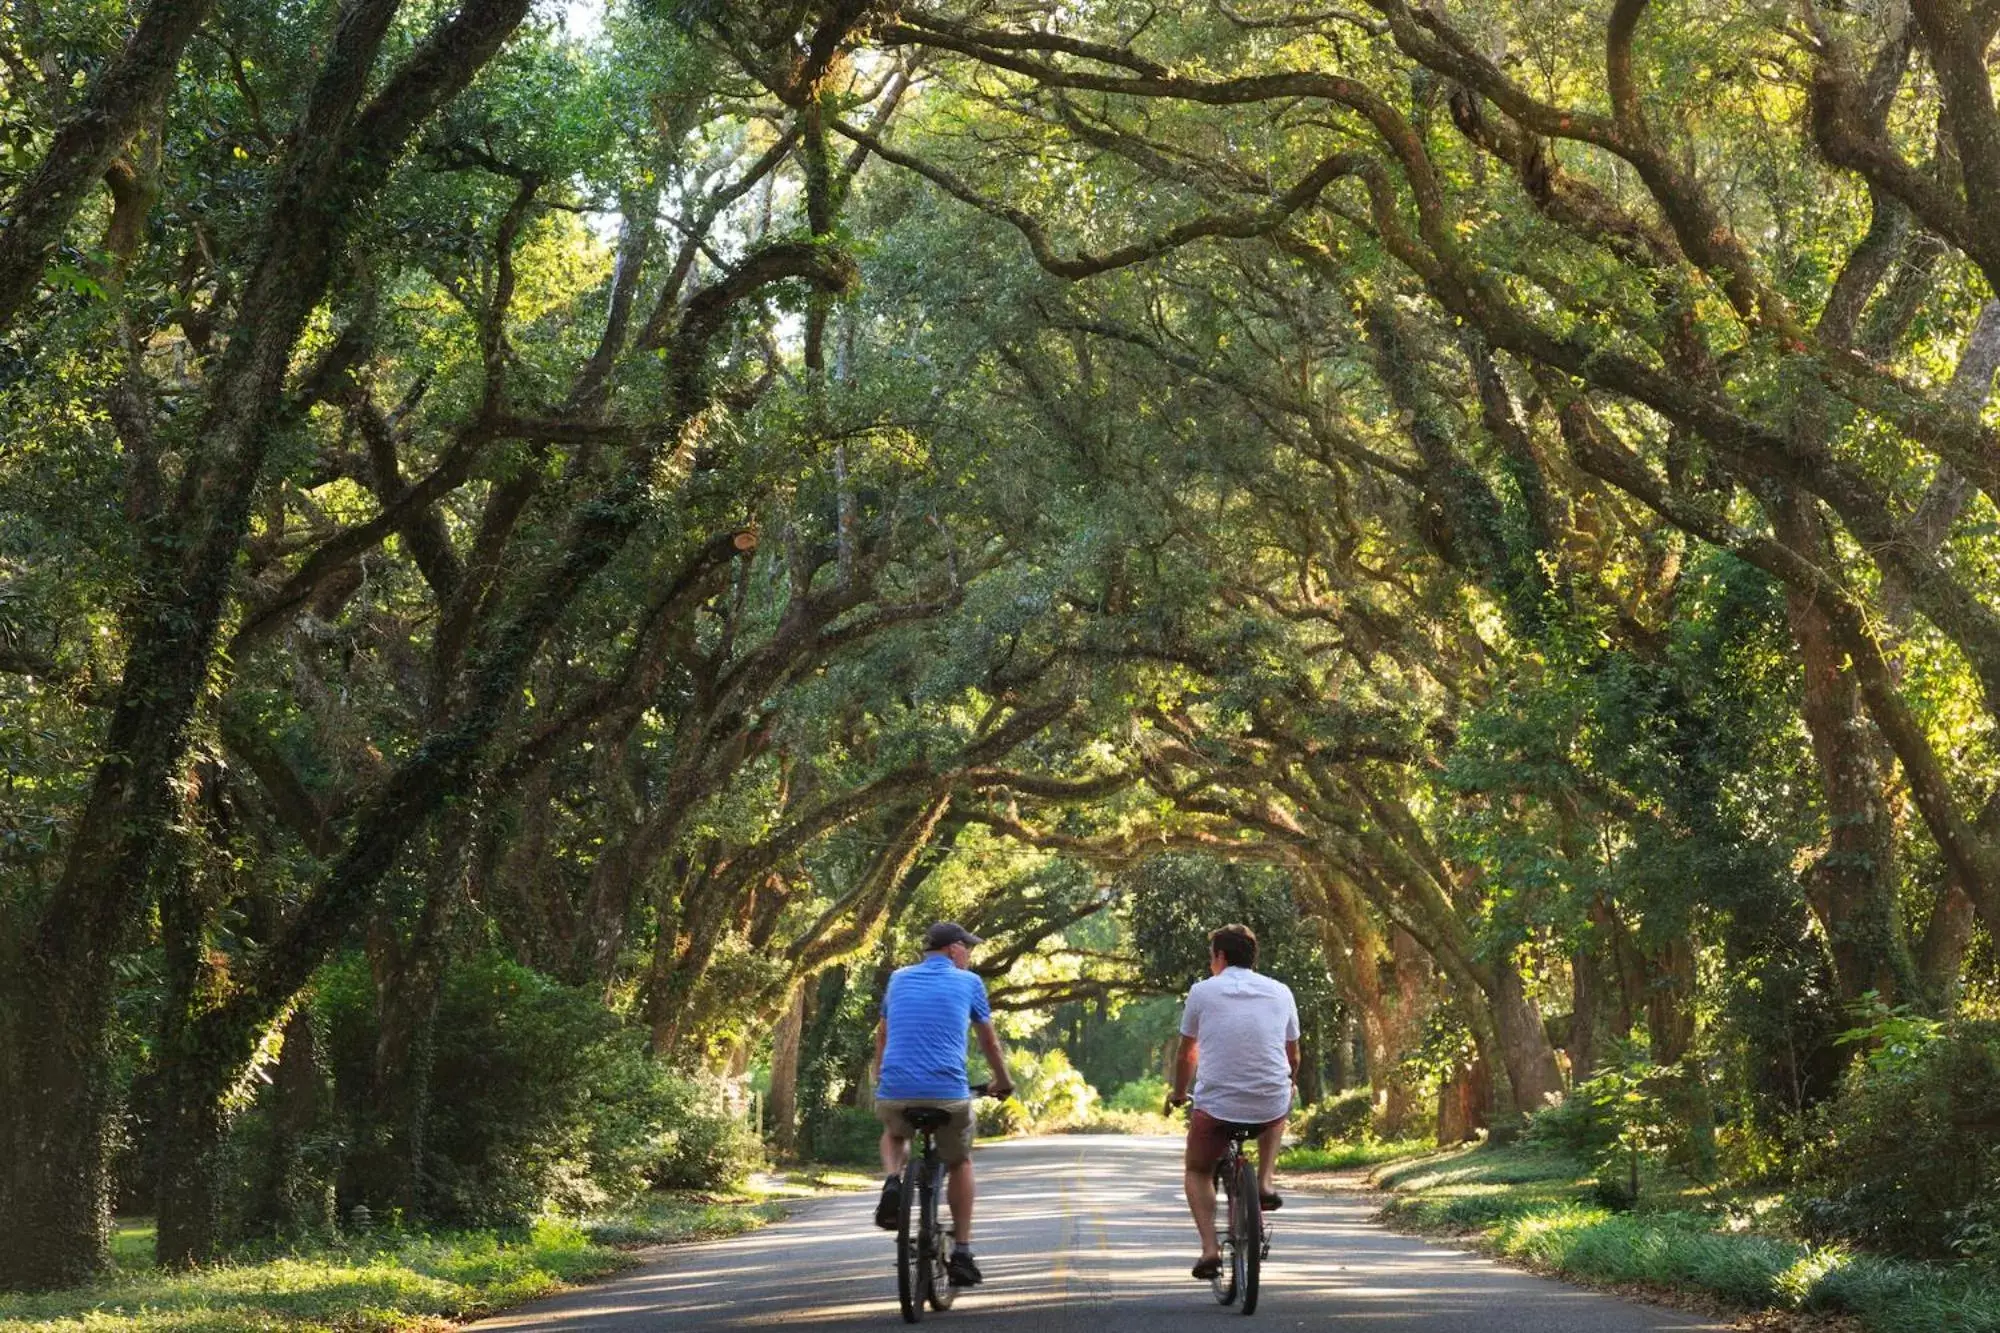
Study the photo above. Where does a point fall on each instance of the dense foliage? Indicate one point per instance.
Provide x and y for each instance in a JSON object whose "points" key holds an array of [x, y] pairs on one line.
{"points": [[538, 547]]}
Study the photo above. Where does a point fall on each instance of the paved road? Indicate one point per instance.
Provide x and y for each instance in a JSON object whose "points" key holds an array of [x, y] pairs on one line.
{"points": [[1085, 1233]]}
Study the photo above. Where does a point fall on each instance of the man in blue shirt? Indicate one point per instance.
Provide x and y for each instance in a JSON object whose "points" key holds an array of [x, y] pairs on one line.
{"points": [[920, 1058]]}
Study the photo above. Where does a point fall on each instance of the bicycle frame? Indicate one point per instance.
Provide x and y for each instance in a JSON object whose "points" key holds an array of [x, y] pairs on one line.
{"points": [[1245, 1241], [923, 1247], [921, 1243]]}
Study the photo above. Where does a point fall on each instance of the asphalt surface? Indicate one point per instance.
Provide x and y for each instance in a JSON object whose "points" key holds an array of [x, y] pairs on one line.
{"points": [[1085, 1233]]}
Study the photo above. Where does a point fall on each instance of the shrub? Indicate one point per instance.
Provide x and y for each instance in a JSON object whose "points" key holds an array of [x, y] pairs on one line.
{"points": [[1909, 1160], [708, 1147], [1346, 1117], [1049, 1088], [543, 1099], [1103, 1121], [1147, 1094], [845, 1136], [1005, 1118], [1621, 1120]]}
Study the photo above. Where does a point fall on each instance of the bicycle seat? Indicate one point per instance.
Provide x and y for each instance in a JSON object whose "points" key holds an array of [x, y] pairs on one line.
{"points": [[1239, 1131], [926, 1117]]}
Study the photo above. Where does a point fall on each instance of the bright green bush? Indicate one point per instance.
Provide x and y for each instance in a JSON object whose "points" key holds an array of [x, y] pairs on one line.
{"points": [[1346, 1117], [1141, 1094], [1001, 1119], [1049, 1088], [1909, 1158]]}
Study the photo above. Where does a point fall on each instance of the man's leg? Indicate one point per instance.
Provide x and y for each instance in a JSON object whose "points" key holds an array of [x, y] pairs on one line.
{"points": [[1200, 1187], [895, 1151], [958, 1189], [1269, 1144]]}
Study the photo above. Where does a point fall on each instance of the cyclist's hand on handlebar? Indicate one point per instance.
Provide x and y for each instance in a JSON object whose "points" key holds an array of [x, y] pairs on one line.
{"points": [[1175, 1099], [1000, 1089]]}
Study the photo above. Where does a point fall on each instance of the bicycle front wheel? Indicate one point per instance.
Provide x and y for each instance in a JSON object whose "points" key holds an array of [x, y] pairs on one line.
{"points": [[1248, 1226], [1223, 1284], [909, 1243], [937, 1245]]}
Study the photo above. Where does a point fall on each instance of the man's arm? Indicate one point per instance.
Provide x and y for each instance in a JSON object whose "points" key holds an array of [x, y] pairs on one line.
{"points": [[1001, 1082], [1185, 1056], [1292, 1057], [881, 1045]]}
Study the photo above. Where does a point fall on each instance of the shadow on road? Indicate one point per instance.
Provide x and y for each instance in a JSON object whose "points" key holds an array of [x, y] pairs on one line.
{"points": [[1091, 1235]]}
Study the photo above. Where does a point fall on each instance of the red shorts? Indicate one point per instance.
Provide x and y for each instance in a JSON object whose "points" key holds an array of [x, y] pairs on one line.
{"points": [[1207, 1138]]}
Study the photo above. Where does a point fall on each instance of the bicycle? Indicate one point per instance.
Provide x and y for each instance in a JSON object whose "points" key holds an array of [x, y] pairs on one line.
{"points": [[1246, 1241], [923, 1245]]}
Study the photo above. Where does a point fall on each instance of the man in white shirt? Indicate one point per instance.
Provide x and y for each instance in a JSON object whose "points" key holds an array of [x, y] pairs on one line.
{"points": [[1241, 1029]]}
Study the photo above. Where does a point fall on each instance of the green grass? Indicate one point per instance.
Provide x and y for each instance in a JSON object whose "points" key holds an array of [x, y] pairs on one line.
{"points": [[665, 1219], [1346, 1156], [396, 1284], [1536, 1207], [132, 1242], [411, 1283]]}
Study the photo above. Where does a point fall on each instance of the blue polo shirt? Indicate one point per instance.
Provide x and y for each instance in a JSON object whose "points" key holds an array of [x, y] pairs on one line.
{"points": [[928, 1006]]}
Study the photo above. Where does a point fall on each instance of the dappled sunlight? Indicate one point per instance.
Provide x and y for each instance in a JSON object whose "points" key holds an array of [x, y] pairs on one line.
{"points": [[1085, 1233]]}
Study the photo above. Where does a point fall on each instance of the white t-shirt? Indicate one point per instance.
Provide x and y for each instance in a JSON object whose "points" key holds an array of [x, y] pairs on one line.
{"points": [[1241, 1021]]}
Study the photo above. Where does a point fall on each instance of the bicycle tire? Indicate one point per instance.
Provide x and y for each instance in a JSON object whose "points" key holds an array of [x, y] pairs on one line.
{"points": [[1223, 1284], [1249, 1229], [909, 1243], [937, 1249]]}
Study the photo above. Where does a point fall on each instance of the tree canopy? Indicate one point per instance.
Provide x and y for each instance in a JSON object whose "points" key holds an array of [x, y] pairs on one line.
{"points": [[634, 517]]}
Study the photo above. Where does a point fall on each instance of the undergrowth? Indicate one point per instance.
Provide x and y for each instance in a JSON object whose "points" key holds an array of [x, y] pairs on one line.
{"points": [[1537, 1207]]}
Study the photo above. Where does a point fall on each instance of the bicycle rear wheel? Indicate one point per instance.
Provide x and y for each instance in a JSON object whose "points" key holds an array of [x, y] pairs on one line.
{"points": [[937, 1245], [909, 1241], [1223, 1284], [1248, 1229]]}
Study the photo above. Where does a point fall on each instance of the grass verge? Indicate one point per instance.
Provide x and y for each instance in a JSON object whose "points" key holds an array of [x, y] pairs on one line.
{"points": [[397, 1284], [1536, 1208], [1348, 1156], [410, 1283]]}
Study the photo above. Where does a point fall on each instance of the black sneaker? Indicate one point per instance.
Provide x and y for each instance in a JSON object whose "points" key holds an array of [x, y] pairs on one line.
{"points": [[888, 1211], [961, 1271]]}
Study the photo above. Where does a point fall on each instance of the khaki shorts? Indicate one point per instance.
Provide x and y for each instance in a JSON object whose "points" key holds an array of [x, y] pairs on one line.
{"points": [[954, 1137]]}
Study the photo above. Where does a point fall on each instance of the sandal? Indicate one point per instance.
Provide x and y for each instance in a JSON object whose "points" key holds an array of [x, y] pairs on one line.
{"points": [[1271, 1202], [1206, 1269]]}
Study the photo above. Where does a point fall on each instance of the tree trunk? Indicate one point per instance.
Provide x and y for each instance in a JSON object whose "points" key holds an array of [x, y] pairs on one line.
{"points": [[409, 983], [187, 1125], [1851, 886], [294, 1198], [55, 1123], [1463, 1103], [1589, 1016], [1533, 1077], [1670, 991], [785, 1072], [1312, 1029], [190, 1131], [58, 1174], [1402, 1006], [1338, 1051]]}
